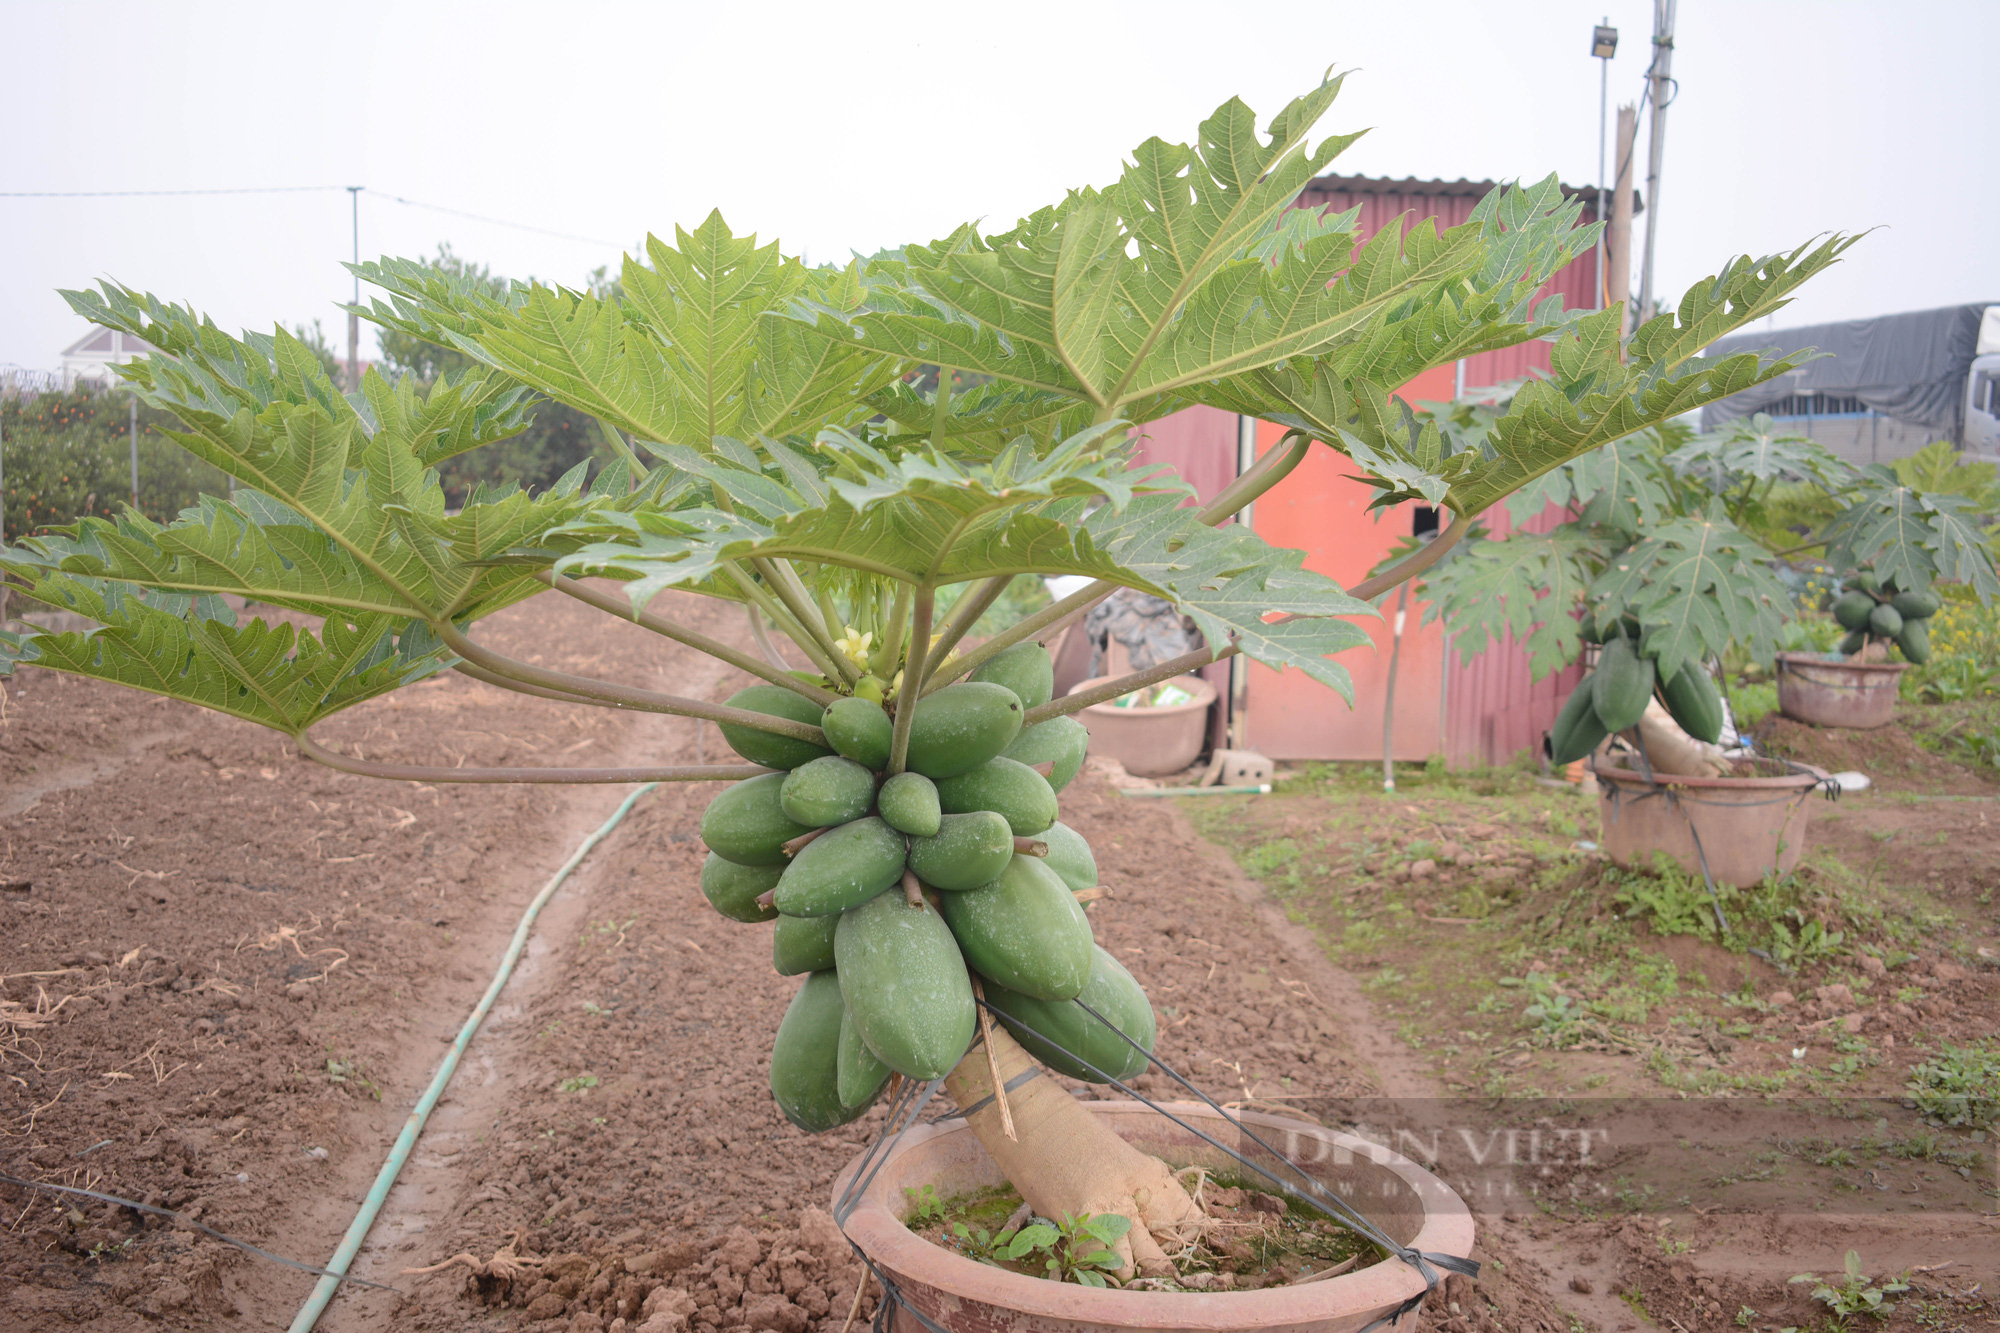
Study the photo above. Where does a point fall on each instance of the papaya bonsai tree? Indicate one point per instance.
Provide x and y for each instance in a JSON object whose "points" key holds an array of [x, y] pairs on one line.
{"points": [[1673, 553], [896, 810]]}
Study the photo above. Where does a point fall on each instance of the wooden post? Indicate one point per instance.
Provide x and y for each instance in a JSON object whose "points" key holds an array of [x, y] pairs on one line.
{"points": [[1618, 240]]}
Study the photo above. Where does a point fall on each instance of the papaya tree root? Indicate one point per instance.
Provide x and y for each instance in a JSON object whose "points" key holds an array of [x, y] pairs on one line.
{"points": [[1066, 1160]]}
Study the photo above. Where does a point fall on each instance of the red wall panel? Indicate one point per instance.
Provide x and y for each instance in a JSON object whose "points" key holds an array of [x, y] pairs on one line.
{"points": [[1480, 713]]}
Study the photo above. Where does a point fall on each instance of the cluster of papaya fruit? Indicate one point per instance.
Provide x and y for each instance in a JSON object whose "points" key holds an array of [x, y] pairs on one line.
{"points": [[1615, 695], [892, 892], [1872, 608]]}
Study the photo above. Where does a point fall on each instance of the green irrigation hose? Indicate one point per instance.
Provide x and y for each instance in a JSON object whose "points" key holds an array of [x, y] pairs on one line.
{"points": [[357, 1230]]}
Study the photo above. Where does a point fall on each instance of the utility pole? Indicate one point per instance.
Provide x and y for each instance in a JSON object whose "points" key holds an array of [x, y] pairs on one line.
{"points": [[1618, 240], [132, 430], [354, 320], [1660, 76], [1603, 45]]}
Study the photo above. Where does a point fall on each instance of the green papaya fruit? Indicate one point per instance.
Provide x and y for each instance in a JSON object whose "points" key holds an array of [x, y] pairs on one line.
{"points": [[1865, 579], [1577, 730], [803, 944], [1916, 605], [768, 748], [842, 868], [747, 824], [961, 727], [909, 802], [968, 851], [859, 730], [1885, 622], [826, 791], [1621, 686], [733, 890], [1915, 640], [1852, 610], [1854, 643], [805, 1077], [859, 1075], [1006, 786], [1025, 931], [1069, 856], [1026, 669], [906, 987], [1048, 1029], [1691, 699], [1060, 741]]}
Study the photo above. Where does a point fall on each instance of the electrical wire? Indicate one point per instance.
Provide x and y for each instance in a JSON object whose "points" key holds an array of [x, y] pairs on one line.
{"points": [[498, 222], [155, 194], [311, 189]]}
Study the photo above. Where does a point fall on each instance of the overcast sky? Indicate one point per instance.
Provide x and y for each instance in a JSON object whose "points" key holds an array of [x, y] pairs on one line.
{"points": [[852, 126]]}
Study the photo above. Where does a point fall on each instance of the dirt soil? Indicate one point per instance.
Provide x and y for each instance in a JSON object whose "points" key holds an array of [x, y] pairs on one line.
{"points": [[230, 973]]}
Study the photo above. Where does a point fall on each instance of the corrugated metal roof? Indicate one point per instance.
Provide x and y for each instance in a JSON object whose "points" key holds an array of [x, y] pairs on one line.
{"points": [[1442, 189]]}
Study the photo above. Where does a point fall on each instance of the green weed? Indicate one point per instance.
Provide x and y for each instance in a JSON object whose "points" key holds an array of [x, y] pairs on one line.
{"points": [[1856, 1294], [350, 1073], [1960, 1085], [579, 1083]]}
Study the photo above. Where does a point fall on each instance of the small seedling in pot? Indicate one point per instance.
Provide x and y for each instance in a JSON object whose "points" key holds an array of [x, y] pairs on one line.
{"points": [[925, 1206]]}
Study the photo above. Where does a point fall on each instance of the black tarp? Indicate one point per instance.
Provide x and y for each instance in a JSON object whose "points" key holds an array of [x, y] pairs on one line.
{"points": [[1911, 366]]}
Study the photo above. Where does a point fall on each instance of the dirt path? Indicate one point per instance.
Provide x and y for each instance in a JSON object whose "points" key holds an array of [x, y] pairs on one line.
{"points": [[231, 973], [228, 971]]}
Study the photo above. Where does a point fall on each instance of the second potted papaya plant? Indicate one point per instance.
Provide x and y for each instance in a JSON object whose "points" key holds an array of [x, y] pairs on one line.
{"points": [[1670, 557]]}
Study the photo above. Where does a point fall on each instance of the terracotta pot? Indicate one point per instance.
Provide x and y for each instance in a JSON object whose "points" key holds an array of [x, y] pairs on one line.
{"points": [[1407, 1202], [1748, 826], [1150, 742], [1857, 695]]}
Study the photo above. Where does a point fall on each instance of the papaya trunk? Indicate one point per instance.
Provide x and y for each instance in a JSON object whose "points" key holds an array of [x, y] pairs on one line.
{"points": [[1066, 1160]]}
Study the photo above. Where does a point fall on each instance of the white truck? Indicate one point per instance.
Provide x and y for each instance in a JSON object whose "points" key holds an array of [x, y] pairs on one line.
{"points": [[1883, 387]]}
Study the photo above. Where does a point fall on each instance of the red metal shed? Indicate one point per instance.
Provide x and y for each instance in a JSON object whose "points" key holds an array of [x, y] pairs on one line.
{"points": [[1484, 712]]}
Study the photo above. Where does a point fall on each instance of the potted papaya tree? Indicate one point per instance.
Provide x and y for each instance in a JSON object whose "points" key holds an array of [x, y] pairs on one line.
{"points": [[1671, 555], [896, 811]]}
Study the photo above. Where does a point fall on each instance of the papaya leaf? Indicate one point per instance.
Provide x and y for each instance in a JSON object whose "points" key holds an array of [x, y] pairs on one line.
{"points": [[1529, 585], [1911, 536], [277, 676], [1620, 486], [915, 517], [1598, 392], [1191, 267], [1525, 235], [1940, 469], [336, 512], [688, 352], [1754, 449], [205, 371], [1698, 585]]}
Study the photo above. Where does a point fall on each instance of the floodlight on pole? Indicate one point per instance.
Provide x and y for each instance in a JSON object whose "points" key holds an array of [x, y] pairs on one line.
{"points": [[1603, 45]]}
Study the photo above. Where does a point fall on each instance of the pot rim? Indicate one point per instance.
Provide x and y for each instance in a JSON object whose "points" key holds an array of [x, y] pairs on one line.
{"points": [[1447, 1228], [1794, 661], [1205, 695], [1812, 777]]}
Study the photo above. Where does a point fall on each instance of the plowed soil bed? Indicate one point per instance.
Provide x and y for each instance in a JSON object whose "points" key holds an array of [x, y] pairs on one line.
{"points": [[229, 973]]}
